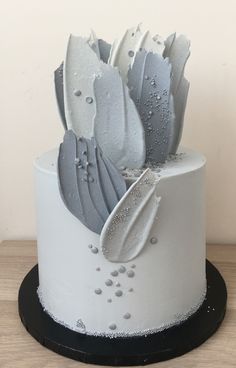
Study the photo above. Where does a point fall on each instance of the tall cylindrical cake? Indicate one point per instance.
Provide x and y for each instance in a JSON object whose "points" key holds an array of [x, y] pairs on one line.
{"points": [[162, 286], [120, 214]]}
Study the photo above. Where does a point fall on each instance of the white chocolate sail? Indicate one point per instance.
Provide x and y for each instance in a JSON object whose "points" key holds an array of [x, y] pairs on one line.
{"points": [[117, 125], [124, 50], [128, 228]]}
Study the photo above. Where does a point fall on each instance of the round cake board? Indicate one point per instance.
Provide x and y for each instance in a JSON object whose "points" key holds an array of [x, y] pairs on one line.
{"points": [[124, 351]]}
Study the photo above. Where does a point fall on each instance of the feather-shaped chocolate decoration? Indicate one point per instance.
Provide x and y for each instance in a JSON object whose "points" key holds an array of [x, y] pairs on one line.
{"points": [[149, 84], [81, 67], [93, 43], [58, 80], [128, 227], [90, 185], [124, 50], [180, 101], [117, 125], [104, 49], [177, 51]]}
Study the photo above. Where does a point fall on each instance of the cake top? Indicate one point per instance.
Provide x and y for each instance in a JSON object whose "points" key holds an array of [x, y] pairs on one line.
{"points": [[122, 107]]}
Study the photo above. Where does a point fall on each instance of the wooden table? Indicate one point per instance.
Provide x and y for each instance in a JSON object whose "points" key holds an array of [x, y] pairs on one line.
{"points": [[19, 349]]}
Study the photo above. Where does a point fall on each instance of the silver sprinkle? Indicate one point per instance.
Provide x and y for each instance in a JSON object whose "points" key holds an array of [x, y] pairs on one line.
{"points": [[114, 273], [98, 291], [127, 316], [119, 293], [108, 282], [153, 240], [94, 250], [117, 284], [89, 100], [122, 269], [77, 93], [90, 246], [130, 273], [112, 326], [109, 300], [98, 269], [131, 53]]}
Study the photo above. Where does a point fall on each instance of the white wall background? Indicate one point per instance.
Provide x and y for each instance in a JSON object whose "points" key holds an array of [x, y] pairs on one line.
{"points": [[33, 37]]}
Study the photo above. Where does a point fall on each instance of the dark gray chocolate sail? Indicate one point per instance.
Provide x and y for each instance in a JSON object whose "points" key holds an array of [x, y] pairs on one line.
{"points": [[104, 48], [58, 79], [86, 181], [149, 83]]}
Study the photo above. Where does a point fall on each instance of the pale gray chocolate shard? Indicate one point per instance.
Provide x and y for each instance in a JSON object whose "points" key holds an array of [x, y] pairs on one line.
{"points": [[177, 50], [177, 53], [149, 84], [80, 67], [117, 125], [124, 50], [180, 101], [58, 80], [84, 181], [93, 43], [127, 229], [168, 44], [104, 49]]}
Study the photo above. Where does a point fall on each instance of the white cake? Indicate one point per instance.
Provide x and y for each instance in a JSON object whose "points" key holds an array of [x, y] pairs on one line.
{"points": [[120, 215], [169, 275]]}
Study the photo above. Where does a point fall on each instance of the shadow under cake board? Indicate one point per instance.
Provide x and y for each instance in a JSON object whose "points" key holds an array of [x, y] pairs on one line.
{"points": [[124, 351]]}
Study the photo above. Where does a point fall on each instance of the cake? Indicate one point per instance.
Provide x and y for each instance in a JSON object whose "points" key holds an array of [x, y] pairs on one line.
{"points": [[120, 207]]}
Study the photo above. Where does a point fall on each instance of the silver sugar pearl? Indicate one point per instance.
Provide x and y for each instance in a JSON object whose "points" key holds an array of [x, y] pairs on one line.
{"points": [[119, 293], [108, 282], [122, 269], [127, 316], [89, 100], [98, 291], [130, 273]]}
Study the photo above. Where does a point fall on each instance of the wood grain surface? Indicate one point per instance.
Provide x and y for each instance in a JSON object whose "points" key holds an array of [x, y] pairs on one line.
{"points": [[19, 350]]}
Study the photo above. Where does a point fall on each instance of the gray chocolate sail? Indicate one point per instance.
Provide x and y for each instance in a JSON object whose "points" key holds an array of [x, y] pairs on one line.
{"points": [[58, 79], [149, 84], [86, 181], [177, 51], [104, 49]]}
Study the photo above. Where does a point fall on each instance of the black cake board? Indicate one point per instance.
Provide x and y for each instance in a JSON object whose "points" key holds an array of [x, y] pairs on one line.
{"points": [[124, 351]]}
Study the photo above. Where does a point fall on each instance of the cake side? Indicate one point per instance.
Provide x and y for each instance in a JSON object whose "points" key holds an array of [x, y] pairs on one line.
{"points": [[161, 287]]}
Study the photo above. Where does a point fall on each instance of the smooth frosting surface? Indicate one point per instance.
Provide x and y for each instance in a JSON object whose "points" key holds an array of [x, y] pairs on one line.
{"points": [[163, 285]]}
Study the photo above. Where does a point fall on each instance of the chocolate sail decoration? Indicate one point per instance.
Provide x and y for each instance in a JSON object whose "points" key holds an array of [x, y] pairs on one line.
{"points": [[104, 49], [177, 51], [90, 185], [149, 82], [128, 227], [124, 50], [80, 68], [58, 80], [117, 125], [93, 43]]}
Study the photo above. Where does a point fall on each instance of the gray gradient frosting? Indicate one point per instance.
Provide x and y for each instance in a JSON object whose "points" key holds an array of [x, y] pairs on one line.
{"points": [[149, 84], [90, 185], [128, 227], [177, 51], [58, 80], [117, 125]]}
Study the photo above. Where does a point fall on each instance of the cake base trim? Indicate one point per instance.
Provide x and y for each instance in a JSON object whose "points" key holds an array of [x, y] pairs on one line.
{"points": [[123, 351], [179, 319]]}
